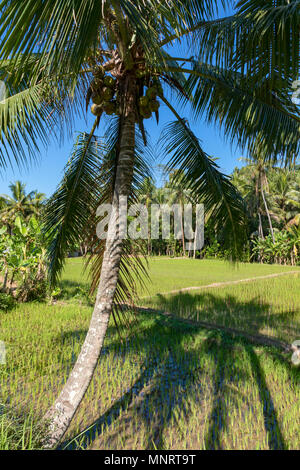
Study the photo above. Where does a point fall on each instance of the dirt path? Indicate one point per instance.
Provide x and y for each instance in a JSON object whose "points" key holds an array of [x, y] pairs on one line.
{"points": [[222, 284], [261, 339]]}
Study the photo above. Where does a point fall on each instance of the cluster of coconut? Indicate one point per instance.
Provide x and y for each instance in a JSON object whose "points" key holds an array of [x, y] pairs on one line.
{"points": [[148, 103], [105, 96]]}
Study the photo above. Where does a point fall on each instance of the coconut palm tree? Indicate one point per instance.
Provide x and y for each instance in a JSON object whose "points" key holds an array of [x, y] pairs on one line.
{"points": [[146, 197], [284, 190], [179, 194], [20, 203], [254, 185], [57, 56]]}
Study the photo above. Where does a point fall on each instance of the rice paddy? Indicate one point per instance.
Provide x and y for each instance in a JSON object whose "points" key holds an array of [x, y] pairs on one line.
{"points": [[167, 384]]}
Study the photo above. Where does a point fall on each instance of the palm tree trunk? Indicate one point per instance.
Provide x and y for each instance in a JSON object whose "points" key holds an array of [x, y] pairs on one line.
{"points": [[63, 410], [5, 280], [195, 238], [182, 231], [260, 227], [268, 214], [11, 282]]}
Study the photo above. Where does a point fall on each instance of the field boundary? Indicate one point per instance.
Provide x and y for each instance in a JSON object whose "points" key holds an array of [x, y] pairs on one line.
{"points": [[253, 338], [221, 284]]}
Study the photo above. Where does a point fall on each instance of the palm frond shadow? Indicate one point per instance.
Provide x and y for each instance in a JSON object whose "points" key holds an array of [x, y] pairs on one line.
{"points": [[218, 417], [254, 316], [167, 369]]}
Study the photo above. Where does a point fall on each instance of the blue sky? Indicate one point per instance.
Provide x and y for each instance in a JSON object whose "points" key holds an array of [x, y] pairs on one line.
{"points": [[46, 173]]}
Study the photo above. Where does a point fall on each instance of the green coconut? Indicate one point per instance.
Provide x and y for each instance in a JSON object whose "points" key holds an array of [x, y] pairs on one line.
{"points": [[109, 81], [109, 107], [96, 98], [140, 73], [147, 115], [151, 93], [143, 101], [145, 112], [154, 106], [96, 109], [107, 93]]}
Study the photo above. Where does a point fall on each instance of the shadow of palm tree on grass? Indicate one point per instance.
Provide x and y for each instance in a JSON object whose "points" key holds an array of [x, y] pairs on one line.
{"points": [[173, 376], [252, 316]]}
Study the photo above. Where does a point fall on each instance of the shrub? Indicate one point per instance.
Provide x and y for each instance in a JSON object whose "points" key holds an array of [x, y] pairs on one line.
{"points": [[32, 289], [7, 302]]}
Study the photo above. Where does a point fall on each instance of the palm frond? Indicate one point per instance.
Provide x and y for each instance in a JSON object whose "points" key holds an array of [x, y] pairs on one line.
{"points": [[60, 31], [70, 208], [261, 38], [133, 251], [264, 122], [201, 176], [25, 123], [34, 113]]}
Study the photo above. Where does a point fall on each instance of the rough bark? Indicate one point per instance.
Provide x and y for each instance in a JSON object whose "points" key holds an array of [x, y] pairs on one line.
{"points": [[195, 238], [182, 230], [268, 214], [260, 227], [4, 286], [61, 413]]}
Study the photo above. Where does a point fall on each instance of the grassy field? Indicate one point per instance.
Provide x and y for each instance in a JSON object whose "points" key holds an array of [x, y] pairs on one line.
{"points": [[267, 306], [167, 274], [166, 385]]}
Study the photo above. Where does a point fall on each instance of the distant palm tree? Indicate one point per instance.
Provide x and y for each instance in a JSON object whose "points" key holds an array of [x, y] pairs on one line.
{"points": [[178, 193], [253, 184], [38, 201], [284, 195], [20, 203], [146, 197]]}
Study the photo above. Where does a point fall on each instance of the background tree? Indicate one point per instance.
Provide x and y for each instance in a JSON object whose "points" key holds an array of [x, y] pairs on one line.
{"points": [[146, 197], [20, 203], [284, 195]]}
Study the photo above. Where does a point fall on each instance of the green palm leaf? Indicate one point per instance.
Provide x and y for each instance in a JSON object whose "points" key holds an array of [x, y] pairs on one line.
{"points": [[262, 38], [70, 208], [201, 176], [32, 114], [262, 121]]}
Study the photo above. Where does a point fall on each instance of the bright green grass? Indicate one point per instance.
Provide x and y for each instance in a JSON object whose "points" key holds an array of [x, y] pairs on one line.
{"points": [[168, 274], [266, 306], [168, 386]]}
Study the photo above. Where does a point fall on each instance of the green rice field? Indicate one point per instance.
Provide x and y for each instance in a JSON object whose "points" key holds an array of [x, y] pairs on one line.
{"points": [[165, 383]]}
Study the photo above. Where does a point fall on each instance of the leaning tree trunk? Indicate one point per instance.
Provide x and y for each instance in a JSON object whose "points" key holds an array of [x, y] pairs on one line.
{"points": [[5, 280], [260, 227], [63, 410], [268, 214], [182, 230]]}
